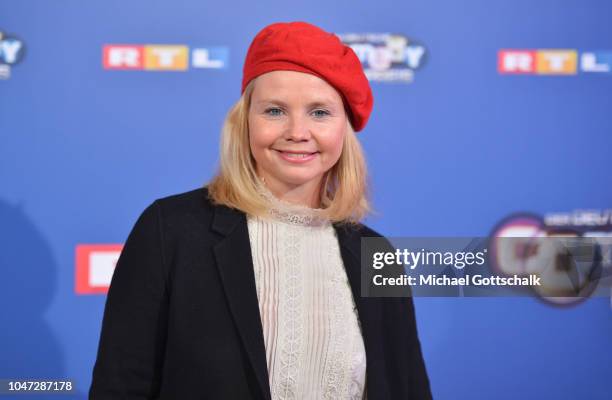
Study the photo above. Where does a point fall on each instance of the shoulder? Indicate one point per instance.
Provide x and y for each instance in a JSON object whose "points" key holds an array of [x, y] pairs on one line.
{"points": [[357, 230], [183, 212], [191, 204], [367, 231], [193, 199], [351, 235]]}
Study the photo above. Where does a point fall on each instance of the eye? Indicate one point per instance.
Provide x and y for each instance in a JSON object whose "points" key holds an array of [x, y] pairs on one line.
{"points": [[321, 113], [273, 111]]}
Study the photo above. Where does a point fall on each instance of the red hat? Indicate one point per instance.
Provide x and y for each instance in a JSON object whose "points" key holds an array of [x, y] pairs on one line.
{"points": [[302, 47]]}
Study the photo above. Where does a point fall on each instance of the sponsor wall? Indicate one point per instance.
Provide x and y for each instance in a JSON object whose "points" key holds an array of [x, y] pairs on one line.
{"points": [[487, 116]]}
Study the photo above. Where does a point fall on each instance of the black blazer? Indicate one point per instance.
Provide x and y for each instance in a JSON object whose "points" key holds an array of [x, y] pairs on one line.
{"points": [[181, 319]]}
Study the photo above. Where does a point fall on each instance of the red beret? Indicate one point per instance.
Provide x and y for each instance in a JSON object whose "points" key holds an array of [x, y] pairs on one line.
{"points": [[302, 47]]}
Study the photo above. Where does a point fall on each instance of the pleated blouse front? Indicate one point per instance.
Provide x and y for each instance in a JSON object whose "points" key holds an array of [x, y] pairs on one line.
{"points": [[312, 334]]}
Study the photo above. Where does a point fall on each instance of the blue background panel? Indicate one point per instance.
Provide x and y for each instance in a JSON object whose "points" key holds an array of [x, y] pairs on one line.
{"points": [[84, 150]]}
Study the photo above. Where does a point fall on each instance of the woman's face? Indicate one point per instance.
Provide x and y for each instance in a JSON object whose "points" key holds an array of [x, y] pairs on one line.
{"points": [[297, 124]]}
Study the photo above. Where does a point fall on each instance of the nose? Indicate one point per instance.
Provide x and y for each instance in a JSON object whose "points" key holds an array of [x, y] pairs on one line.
{"points": [[298, 129]]}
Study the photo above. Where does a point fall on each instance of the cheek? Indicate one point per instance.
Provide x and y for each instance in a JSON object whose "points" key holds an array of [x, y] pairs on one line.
{"points": [[332, 145], [260, 136]]}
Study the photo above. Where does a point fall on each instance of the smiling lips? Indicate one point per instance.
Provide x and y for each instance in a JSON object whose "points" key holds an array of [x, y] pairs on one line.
{"points": [[297, 157]]}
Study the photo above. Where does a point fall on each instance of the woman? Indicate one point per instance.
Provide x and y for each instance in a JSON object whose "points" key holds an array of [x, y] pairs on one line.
{"points": [[248, 288]]}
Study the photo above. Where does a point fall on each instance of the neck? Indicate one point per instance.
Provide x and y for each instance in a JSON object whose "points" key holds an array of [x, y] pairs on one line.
{"points": [[307, 194]]}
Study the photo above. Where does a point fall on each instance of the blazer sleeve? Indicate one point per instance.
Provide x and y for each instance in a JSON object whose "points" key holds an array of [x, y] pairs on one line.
{"points": [[133, 335], [408, 363]]}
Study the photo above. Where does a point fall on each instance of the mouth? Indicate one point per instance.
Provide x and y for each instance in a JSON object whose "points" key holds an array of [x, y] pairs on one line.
{"points": [[297, 156]]}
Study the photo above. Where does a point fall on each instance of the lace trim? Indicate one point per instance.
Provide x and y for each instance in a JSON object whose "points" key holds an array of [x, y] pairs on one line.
{"points": [[346, 370], [292, 213], [291, 316], [356, 389]]}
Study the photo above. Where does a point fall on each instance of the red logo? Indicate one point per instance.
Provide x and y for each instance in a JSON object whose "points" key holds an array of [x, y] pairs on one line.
{"points": [[95, 264], [516, 61], [123, 57]]}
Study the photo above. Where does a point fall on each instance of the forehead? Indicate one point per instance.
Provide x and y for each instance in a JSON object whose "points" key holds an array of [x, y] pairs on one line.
{"points": [[292, 85]]}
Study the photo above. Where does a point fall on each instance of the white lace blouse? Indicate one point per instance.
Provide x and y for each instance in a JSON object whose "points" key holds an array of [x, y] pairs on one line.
{"points": [[312, 334]]}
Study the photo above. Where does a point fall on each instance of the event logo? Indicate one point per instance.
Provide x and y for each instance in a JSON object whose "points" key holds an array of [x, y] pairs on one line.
{"points": [[162, 57], [95, 264], [386, 57], [11, 52], [553, 62], [568, 280]]}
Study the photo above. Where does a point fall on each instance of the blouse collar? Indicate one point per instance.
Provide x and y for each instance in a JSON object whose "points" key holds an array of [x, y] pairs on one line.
{"points": [[290, 213]]}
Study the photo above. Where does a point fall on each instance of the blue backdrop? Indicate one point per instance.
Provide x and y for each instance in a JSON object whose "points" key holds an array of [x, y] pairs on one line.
{"points": [[84, 149]]}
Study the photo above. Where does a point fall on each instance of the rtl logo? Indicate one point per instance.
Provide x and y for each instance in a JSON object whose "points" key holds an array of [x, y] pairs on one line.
{"points": [[161, 57], [95, 264], [552, 62]]}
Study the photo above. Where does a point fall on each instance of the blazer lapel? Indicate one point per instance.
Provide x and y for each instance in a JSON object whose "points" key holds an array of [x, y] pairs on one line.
{"points": [[234, 261], [369, 310]]}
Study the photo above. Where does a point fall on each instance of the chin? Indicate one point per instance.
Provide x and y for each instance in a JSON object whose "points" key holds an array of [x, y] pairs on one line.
{"points": [[296, 179]]}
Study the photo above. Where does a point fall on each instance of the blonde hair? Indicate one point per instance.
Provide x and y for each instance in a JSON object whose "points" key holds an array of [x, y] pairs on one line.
{"points": [[343, 192]]}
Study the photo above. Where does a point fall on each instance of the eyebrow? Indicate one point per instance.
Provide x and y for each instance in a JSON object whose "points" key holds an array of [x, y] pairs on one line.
{"points": [[315, 103]]}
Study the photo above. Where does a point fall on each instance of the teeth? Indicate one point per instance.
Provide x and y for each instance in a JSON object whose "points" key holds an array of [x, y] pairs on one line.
{"points": [[297, 155]]}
